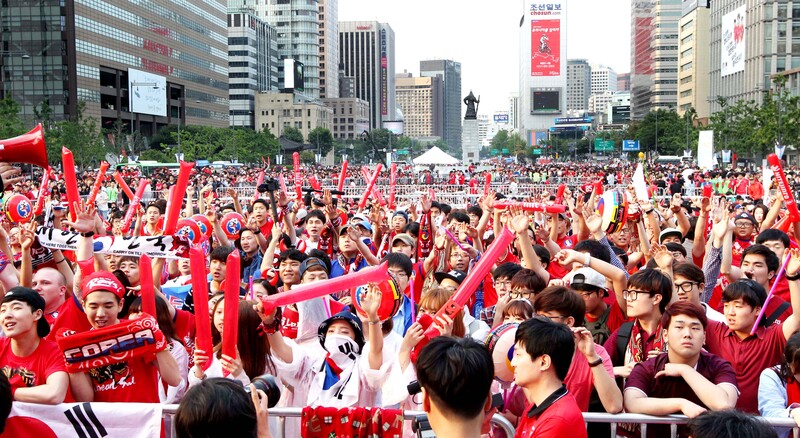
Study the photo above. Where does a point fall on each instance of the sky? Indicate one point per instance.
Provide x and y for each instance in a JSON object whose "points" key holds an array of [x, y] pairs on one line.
{"points": [[484, 37]]}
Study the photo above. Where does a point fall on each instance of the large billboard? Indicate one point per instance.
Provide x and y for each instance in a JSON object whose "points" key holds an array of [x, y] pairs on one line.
{"points": [[147, 93], [733, 41], [293, 75], [546, 38]]}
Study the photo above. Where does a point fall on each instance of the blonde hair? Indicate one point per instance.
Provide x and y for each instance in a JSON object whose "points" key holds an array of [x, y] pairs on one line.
{"points": [[434, 299]]}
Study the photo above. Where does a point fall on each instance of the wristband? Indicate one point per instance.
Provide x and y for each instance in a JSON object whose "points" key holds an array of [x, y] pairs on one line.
{"points": [[596, 363], [374, 322], [587, 260], [794, 277], [257, 231], [88, 234]]}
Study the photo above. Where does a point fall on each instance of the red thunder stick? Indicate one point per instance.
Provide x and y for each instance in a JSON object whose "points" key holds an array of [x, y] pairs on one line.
{"points": [[259, 181], [97, 183], [42, 190], [200, 294], [783, 185], [298, 179], [123, 185], [560, 193], [134, 207], [68, 162], [174, 206], [230, 331], [487, 185], [392, 185], [375, 192], [342, 177], [147, 290], [370, 186]]}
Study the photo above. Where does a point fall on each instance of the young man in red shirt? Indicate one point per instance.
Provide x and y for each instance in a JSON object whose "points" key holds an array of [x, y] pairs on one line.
{"points": [[34, 366], [134, 380], [542, 358]]}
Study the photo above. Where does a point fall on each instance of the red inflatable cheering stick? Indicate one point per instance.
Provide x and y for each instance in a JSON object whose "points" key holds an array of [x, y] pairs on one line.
{"points": [[298, 179], [342, 177], [370, 186], [175, 200], [68, 161], [531, 206], [487, 185], [147, 290], [456, 302], [560, 193], [230, 332], [98, 181], [123, 185], [43, 190], [783, 185], [200, 294], [134, 207], [392, 185], [374, 274]]}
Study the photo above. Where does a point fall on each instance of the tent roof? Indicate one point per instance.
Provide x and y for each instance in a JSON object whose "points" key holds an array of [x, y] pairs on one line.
{"points": [[435, 156]]}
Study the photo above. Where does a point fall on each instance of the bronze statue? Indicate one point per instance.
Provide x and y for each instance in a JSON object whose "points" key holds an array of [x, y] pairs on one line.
{"points": [[472, 106]]}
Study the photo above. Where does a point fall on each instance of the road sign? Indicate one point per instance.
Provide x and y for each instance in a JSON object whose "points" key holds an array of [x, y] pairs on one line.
{"points": [[601, 145], [537, 152], [630, 145], [402, 152]]}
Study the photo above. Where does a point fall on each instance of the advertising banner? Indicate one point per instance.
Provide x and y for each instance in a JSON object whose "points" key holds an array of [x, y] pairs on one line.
{"points": [[148, 93], [545, 47], [732, 60]]}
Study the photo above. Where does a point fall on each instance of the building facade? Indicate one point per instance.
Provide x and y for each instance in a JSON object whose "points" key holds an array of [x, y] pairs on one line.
{"points": [[297, 25], [276, 110], [65, 52], [252, 64], [624, 82], [579, 85], [693, 66], [350, 117], [421, 101], [598, 103], [770, 38], [450, 73], [654, 55], [603, 79], [542, 67], [328, 48], [366, 53]]}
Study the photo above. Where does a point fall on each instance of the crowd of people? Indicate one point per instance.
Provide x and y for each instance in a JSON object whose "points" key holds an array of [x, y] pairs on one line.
{"points": [[686, 306]]}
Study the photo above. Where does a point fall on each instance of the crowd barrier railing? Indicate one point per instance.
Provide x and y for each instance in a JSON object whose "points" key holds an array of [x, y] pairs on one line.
{"points": [[672, 420], [168, 411]]}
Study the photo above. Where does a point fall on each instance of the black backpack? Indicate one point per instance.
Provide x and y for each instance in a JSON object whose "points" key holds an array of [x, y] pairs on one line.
{"points": [[599, 328]]}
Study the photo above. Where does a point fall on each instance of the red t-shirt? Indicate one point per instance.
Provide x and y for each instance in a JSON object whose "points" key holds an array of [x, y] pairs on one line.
{"points": [[748, 356], [70, 317], [185, 331], [560, 419], [739, 246], [580, 380], [34, 369], [134, 381]]}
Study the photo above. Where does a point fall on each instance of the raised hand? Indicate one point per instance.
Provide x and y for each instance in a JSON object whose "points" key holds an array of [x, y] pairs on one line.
{"points": [[794, 262], [425, 202], [662, 256], [520, 222], [84, 218], [27, 235], [371, 301]]}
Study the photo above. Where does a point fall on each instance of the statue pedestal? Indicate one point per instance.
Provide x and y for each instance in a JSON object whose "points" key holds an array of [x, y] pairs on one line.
{"points": [[470, 143]]}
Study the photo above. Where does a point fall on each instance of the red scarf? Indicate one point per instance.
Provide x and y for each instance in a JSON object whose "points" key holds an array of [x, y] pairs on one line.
{"points": [[637, 341]]}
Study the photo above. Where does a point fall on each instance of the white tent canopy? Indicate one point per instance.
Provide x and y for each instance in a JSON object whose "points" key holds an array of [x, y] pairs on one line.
{"points": [[435, 156]]}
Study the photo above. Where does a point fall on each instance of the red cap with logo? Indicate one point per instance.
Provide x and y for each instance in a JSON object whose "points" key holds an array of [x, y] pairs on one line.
{"points": [[102, 281]]}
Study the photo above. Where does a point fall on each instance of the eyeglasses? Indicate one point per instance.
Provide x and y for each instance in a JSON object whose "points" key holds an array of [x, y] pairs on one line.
{"points": [[686, 286], [743, 224], [552, 318], [523, 293], [504, 283], [398, 274], [633, 294]]}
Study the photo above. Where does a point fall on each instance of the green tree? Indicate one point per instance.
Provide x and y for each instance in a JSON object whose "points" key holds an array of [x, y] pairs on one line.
{"points": [[81, 135], [293, 134], [321, 138], [10, 122]]}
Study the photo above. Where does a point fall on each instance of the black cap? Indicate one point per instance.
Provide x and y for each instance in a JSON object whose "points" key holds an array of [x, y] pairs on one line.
{"points": [[746, 216], [344, 315], [455, 275], [311, 262], [30, 296]]}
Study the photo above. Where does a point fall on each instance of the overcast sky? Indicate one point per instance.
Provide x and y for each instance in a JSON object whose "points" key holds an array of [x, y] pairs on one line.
{"points": [[483, 36]]}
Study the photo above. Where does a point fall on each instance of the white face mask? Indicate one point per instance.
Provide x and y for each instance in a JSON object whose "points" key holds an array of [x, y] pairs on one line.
{"points": [[342, 349]]}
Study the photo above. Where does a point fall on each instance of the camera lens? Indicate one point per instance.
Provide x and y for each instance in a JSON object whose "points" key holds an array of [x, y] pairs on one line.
{"points": [[270, 387]]}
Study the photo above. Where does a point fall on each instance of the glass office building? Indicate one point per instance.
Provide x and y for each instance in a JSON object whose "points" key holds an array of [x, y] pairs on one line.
{"points": [[63, 52]]}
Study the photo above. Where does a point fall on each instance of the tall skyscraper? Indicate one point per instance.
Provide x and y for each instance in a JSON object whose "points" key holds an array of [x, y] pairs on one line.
{"points": [[366, 52], [421, 101], [110, 53], [450, 72], [654, 56], [579, 85], [297, 24], [253, 63], [543, 67], [328, 48], [624, 82], [693, 46]]}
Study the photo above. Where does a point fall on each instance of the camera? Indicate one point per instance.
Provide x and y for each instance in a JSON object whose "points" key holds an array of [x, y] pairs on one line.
{"points": [[267, 383], [422, 427], [270, 185]]}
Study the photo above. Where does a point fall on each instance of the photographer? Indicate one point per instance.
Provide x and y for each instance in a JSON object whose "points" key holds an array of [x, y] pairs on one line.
{"points": [[455, 375]]}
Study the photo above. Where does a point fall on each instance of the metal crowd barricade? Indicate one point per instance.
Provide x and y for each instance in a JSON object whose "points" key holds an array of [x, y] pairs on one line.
{"points": [[168, 411], [672, 420]]}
